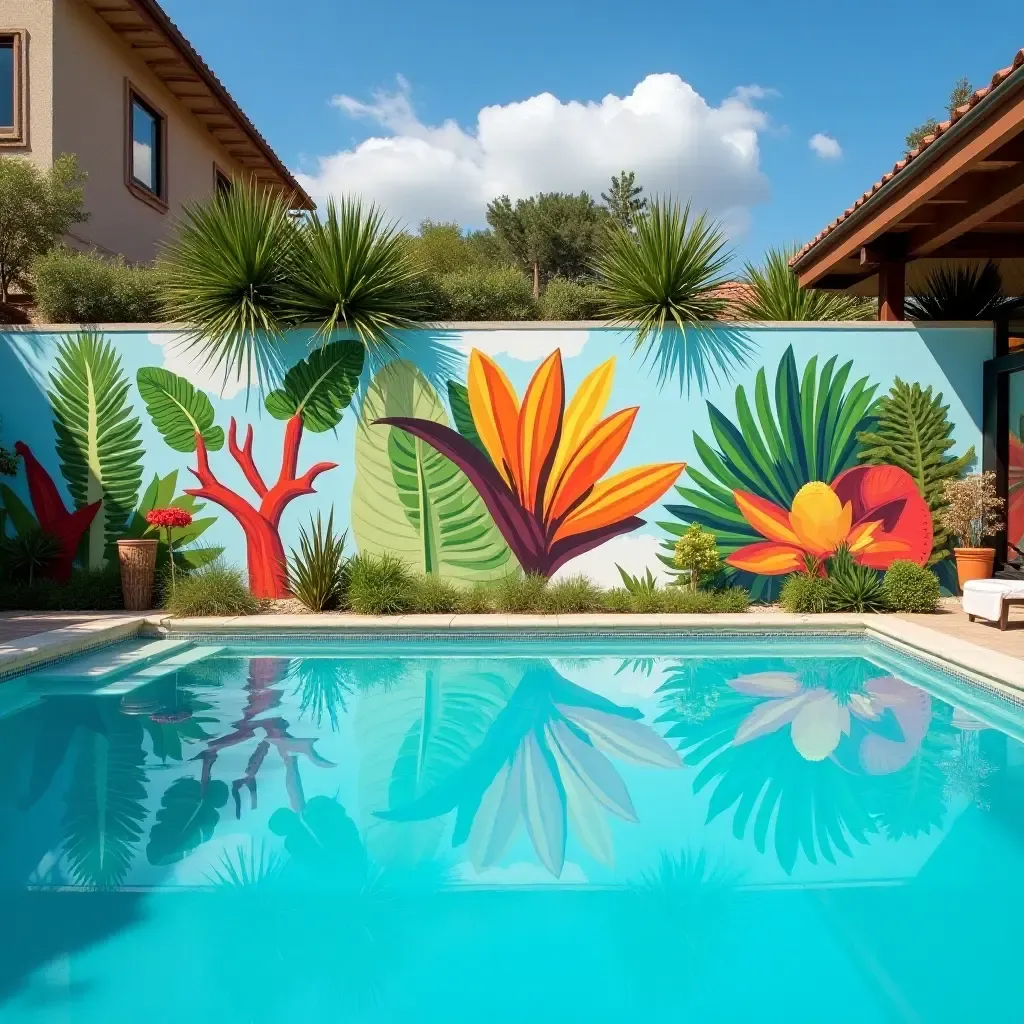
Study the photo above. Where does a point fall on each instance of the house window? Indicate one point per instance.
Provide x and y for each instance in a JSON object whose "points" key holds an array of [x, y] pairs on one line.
{"points": [[221, 181], [145, 151], [12, 87]]}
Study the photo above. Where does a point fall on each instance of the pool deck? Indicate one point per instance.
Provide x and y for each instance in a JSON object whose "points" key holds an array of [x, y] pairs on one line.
{"points": [[28, 638]]}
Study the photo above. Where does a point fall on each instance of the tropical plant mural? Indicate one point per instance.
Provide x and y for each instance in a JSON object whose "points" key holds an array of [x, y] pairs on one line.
{"points": [[409, 499], [782, 491], [540, 471], [1015, 502], [314, 394]]}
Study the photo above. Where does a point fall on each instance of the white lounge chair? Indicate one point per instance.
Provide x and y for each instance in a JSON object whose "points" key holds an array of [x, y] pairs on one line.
{"points": [[992, 599]]}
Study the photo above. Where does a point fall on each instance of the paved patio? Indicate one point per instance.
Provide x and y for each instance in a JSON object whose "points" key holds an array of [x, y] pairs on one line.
{"points": [[16, 625], [954, 623]]}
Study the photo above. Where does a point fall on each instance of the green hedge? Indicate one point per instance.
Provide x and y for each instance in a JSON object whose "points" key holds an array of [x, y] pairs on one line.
{"points": [[571, 300], [85, 288], [501, 293]]}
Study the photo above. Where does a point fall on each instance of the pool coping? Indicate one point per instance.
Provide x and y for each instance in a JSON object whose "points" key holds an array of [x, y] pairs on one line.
{"points": [[924, 642]]}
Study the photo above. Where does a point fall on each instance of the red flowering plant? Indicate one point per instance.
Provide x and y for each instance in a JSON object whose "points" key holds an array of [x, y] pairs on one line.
{"points": [[169, 519]]}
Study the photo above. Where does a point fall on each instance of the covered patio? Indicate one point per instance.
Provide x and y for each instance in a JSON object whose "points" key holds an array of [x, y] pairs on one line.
{"points": [[955, 201]]}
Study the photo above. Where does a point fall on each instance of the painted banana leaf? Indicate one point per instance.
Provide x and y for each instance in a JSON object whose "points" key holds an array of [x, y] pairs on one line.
{"points": [[160, 494], [320, 387], [97, 436], [415, 735], [106, 803], [810, 433], [18, 512], [178, 410], [187, 818], [458, 399], [412, 501]]}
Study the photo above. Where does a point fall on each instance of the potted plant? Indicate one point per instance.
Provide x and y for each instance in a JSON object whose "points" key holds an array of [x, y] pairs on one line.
{"points": [[971, 513]]}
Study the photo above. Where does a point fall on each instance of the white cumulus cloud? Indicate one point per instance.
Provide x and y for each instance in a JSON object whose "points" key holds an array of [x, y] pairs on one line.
{"points": [[826, 146], [673, 138], [184, 360], [526, 346], [635, 552]]}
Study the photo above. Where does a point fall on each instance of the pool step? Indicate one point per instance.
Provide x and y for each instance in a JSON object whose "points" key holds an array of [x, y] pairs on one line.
{"points": [[158, 669], [107, 664]]}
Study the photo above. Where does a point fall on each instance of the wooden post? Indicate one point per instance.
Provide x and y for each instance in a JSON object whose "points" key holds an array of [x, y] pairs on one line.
{"points": [[892, 280]]}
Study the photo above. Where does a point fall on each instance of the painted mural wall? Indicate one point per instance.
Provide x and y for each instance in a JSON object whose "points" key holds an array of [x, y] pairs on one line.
{"points": [[471, 452]]}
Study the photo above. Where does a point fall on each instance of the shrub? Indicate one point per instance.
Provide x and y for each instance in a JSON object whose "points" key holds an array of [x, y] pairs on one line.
{"points": [[87, 590], [520, 592], [617, 600], [477, 600], [909, 587], [27, 554], [853, 587], [805, 593], [573, 595], [482, 293], [317, 570], [570, 300], [379, 585], [696, 553], [213, 589], [78, 287], [433, 595]]}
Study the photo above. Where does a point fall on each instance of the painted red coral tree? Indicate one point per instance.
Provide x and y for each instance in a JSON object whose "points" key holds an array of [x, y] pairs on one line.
{"points": [[313, 396]]}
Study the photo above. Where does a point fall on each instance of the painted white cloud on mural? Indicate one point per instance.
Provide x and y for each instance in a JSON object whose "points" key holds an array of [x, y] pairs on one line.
{"points": [[635, 552], [677, 143], [179, 358], [527, 346], [825, 146]]}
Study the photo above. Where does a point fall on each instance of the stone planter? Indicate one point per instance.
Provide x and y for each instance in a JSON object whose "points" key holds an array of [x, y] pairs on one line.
{"points": [[974, 564], [138, 573]]}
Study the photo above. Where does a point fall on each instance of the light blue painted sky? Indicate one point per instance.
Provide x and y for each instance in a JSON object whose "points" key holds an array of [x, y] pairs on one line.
{"points": [[827, 68]]}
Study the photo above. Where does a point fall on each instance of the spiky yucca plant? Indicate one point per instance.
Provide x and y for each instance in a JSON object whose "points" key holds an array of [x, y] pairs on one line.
{"points": [[663, 273], [775, 294], [958, 293], [225, 272], [317, 568], [240, 270]]}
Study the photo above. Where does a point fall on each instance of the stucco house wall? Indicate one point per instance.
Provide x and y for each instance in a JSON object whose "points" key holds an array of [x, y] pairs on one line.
{"points": [[36, 18]]}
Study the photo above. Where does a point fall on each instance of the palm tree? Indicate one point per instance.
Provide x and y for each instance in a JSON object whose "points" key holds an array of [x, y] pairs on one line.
{"points": [[958, 293], [240, 270], [775, 294], [659, 280]]}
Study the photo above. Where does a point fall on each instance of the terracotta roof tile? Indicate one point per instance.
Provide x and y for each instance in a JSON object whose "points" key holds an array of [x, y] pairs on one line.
{"points": [[998, 78], [733, 293]]}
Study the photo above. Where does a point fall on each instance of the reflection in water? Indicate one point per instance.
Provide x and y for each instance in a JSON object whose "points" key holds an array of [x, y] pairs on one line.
{"points": [[965, 767], [542, 762]]}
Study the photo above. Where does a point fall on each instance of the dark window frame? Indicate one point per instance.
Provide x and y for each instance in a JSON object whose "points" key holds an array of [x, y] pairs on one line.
{"points": [[222, 181], [17, 134], [158, 199]]}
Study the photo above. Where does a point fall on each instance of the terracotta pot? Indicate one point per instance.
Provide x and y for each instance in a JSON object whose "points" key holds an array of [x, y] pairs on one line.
{"points": [[138, 573], [974, 564]]}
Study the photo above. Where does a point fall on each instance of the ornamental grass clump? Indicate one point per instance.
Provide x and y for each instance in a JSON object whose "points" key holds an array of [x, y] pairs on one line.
{"points": [[476, 600], [432, 595], [696, 554], [318, 569], [520, 592], [972, 509], [213, 589], [574, 595], [909, 587], [379, 585], [29, 553]]}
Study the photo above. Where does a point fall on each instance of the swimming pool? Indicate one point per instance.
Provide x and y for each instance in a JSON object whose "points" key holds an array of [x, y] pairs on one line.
{"points": [[507, 829]]}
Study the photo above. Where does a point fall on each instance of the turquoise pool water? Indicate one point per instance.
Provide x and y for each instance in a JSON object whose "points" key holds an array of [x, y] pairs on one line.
{"points": [[505, 831]]}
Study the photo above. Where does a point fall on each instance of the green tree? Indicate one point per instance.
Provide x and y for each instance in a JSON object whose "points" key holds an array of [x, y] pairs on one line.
{"points": [[550, 233], [961, 93], [622, 200], [36, 209], [773, 293], [442, 248]]}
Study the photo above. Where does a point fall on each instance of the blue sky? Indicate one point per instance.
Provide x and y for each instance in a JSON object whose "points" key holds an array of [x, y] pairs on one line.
{"points": [[824, 68]]}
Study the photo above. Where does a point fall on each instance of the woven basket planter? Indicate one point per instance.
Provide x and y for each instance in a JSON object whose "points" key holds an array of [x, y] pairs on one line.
{"points": [[138, 573]]}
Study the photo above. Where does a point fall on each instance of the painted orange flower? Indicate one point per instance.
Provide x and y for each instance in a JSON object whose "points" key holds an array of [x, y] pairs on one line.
{"points": [[540, 471], [1015, 505], [876, 511]]}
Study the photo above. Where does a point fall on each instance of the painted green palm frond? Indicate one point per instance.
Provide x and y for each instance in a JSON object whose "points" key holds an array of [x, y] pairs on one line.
{"points": [[106, 803], [178, 410], [97, 435], [409, 499], [913, 431], [17, 511], [804, 429], [320, 387], [160, 494]]}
